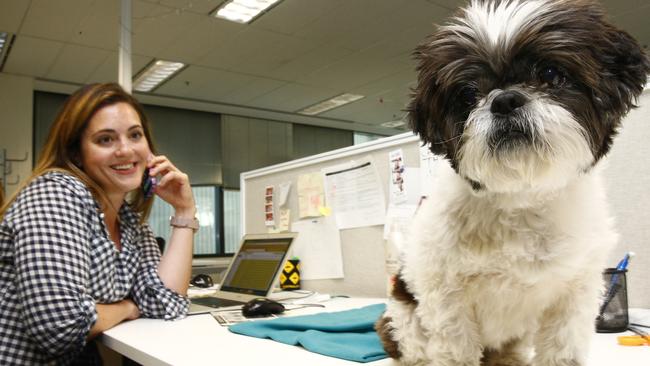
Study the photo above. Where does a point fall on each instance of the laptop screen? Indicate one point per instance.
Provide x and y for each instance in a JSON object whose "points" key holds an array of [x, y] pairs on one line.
{"points": [[256, 265]]}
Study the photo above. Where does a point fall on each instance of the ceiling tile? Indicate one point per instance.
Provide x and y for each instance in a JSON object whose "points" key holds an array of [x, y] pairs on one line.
{"points": [[199, 40], [293, 97], [245, 94], [67, 68], [309, 62], [194, 6], [203, 83], [253, 51], [100, 28], [155, 31], [619, 7], [12, 14], [108, 70], [55, 20], [32, 56], [290, 17]]}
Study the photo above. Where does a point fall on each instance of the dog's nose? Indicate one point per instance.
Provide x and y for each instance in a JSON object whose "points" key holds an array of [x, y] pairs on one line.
{"points": [[506, 102]]}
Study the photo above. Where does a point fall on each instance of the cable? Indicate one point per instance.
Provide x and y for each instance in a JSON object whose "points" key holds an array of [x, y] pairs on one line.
{"points": [[302, 306], [305, 292]]}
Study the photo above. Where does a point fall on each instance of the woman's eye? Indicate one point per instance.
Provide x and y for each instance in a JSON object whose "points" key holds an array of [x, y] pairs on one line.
{"points": [[104, 140], [468, 96], [136, 135], [552, 76]]}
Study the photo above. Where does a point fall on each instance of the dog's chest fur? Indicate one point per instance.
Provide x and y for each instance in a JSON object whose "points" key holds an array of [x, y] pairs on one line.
{"points": [[510, 260]]}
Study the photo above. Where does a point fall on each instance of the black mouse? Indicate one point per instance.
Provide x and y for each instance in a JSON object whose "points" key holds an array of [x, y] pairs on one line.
{"points": [[202, 280], [261, 307]]}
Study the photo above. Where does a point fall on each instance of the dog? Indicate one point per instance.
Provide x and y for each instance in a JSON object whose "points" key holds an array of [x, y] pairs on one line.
{"points": [[502, 266]]}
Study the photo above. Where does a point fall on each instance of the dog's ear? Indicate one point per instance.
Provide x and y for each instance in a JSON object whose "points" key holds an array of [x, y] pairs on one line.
{"points": [[625, 67], [423, 118]]}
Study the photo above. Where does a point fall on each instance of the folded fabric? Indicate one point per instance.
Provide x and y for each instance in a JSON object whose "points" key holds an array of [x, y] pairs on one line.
{"points": [[345, 334]]}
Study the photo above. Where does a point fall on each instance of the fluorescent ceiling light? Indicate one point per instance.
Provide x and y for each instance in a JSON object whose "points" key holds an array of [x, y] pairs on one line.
{"points": [[332, 103], [155, 74], [242, 11], [5, 43]]}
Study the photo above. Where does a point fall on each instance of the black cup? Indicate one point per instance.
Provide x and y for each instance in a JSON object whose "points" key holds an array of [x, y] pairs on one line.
{"points": [[612, 315]]}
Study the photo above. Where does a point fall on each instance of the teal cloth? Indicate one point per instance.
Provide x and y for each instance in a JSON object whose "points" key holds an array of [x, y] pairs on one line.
{"points": [[344, 334]]}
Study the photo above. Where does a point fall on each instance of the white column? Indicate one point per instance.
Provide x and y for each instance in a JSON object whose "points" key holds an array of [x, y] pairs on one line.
{"points": [[124, 74]]}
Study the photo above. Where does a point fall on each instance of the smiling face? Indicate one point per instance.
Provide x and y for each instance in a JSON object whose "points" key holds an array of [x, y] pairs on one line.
{"points": [[114, 150]]}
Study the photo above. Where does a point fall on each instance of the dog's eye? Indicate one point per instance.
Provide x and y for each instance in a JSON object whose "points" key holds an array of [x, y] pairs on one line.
{"points": [[552, 76], [468, 96]]}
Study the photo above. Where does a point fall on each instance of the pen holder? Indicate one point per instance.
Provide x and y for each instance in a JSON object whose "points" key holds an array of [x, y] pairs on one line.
{"points": [[290, 276], [612, 315]]}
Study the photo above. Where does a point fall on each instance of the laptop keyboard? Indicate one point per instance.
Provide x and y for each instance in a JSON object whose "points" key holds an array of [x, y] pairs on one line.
{"points": [[216, 302]]}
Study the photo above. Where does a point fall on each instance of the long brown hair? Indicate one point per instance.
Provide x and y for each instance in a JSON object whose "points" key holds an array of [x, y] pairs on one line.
{"points": [[62, 150]]}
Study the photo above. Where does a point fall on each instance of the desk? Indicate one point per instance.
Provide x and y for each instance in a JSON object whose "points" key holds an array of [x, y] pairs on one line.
{"points": [[200, 340]]}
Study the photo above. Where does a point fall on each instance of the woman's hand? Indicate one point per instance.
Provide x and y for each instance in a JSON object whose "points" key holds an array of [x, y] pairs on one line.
{"points": [[132, 309], [110, 315], [173, 187]]}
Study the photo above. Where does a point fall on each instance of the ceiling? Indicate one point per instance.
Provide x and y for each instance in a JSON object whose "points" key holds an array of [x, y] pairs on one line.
{"points": [[299, 53]]}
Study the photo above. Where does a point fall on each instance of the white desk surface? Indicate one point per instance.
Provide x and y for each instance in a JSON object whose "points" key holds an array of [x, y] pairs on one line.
{"points": [[200, 340]]}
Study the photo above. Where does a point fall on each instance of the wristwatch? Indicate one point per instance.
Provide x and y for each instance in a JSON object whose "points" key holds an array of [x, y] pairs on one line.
{"points": [[184, 222]]}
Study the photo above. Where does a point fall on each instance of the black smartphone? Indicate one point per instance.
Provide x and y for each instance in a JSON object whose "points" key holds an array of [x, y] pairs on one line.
{"points": [[148, 184]]}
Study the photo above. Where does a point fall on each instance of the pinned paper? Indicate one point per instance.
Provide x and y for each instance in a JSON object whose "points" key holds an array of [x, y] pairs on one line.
{"points": [[284, 193], [285, 220], [397, 186], [269, 219], [311, 194], [355, 194], [318, 245]]}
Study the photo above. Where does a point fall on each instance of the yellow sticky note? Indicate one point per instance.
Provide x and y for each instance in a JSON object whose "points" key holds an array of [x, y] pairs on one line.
{"points": [[325, 211]]}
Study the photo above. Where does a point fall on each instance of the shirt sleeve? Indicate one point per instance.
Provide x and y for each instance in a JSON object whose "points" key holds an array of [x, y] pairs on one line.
{"points": [[149, 292], [52, 259]]}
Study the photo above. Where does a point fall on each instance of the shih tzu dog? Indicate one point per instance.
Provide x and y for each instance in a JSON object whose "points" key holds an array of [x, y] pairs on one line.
{"points": [[503, 264]]}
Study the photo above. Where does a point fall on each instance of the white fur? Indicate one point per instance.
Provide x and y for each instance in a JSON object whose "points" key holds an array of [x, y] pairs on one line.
{"points": [[495, 25], [496, 267], [560, 152]]}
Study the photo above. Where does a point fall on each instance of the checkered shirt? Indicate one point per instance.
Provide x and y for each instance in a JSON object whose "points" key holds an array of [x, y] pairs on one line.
{"points": [[57, 262]]}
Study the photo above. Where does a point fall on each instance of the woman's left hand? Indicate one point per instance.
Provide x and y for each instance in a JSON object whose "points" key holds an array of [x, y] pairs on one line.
{"points": [[173, 186]]}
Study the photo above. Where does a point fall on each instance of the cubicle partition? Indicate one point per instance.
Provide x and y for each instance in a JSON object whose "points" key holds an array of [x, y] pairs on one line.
{"points": [[362, 248]]}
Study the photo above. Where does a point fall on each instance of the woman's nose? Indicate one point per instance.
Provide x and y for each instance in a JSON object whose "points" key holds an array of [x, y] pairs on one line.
{"points": [[124, 147]]}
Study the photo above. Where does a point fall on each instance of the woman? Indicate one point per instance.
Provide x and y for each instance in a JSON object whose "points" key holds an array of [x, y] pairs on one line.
{"points": [[77, 257]]}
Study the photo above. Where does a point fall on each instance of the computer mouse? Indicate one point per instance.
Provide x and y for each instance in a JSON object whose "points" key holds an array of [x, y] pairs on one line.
{"points": [[202, 280], [261, 307]]}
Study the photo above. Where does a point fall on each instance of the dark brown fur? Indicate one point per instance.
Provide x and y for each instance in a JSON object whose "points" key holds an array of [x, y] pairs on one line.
{"points": [[401, 293], [384, 331]]}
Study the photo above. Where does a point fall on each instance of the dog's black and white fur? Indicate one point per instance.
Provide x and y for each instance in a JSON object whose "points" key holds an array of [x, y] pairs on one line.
{"points": [[523, 99]]}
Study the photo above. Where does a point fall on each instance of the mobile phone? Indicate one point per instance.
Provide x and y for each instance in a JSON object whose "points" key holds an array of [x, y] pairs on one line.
{"points": [[148, 184]]}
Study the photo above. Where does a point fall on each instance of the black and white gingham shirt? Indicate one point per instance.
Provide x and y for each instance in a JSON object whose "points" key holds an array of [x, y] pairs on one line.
{"points": [[57, 261]]}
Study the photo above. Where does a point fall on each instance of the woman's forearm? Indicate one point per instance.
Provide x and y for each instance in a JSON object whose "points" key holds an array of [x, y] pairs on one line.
{"points": [[175, 266], [109, 315]]}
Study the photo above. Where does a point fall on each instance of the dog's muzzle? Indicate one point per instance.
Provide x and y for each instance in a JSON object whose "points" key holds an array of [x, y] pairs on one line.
{"points": [[509, 129]]}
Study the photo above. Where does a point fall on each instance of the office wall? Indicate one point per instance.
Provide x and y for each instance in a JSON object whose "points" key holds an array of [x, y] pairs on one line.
{"points": [[16, 94], [253, 143], [627, 177]]}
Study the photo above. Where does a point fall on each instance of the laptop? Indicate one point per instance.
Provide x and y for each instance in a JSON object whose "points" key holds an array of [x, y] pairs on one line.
{"points": [[252, 272]]}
